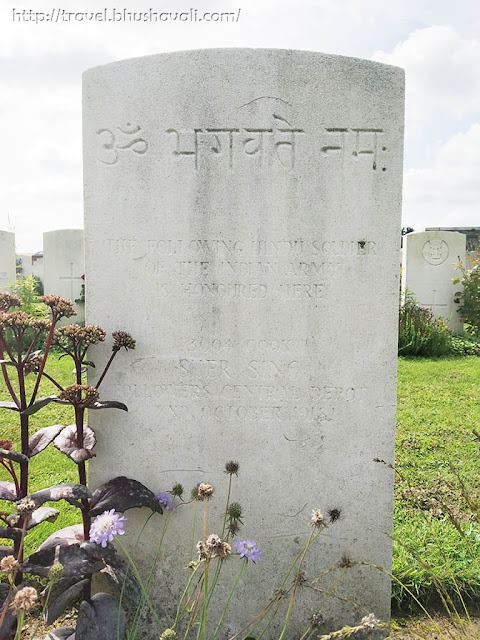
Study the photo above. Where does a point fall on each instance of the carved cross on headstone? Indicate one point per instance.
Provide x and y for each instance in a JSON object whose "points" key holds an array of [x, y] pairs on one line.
{"points": [[434, 306], [71, 277]]}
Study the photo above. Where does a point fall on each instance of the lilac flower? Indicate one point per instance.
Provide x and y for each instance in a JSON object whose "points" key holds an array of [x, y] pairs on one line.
{"points": [[167, 500], [248, 549], [105, 526]]}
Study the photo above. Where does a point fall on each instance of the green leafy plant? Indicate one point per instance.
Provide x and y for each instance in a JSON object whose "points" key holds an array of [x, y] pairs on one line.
{"points": [[420, 333], [469, 297]]}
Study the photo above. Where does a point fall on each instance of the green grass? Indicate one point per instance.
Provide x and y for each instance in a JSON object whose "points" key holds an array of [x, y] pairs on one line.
{"points": [[50, 467], [437, 410]]}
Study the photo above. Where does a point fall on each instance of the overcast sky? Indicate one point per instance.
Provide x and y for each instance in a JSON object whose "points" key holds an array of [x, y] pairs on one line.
{"points": [[437, 42]]}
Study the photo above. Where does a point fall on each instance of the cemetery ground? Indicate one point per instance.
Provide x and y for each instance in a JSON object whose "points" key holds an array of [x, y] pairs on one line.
{"points": [[437, 485]]}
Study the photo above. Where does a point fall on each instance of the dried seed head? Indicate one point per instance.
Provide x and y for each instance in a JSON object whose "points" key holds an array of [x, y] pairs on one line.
{"points": [[225, 550], [203, 552], [370, 622], [233, 528], [234, 511], [177, 490], [317, 619], [26, 505], [8, 565], [346, 562], [205, 491], [316, 519], [25, 599], [232, 468], [213, 541], [334, 514]]}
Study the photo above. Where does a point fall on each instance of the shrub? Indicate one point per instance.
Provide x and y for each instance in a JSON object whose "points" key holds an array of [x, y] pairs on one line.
{"points": [[420, 333], [469, 298]]}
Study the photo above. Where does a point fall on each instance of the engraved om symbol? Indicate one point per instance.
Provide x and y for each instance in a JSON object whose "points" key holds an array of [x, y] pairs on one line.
{"points": [[112, 142]]}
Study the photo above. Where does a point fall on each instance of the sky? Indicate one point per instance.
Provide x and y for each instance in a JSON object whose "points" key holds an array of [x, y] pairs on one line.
{"points": [[45, 47]]}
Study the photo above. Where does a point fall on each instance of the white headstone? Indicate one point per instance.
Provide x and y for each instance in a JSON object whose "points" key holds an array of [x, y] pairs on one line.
{"points": [[64, 266], [7, 259], [429, 259], [242, 222], [25, 264], [37, 266]]}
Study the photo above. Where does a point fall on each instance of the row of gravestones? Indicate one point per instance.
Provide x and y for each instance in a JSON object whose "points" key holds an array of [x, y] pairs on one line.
{"points": [[61, 270]]}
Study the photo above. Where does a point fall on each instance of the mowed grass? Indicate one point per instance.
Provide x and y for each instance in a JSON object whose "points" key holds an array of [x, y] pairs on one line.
{"points": [[438, 406], [49, 467]]}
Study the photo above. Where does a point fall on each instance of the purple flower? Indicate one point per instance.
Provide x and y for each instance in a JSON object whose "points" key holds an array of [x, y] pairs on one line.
{"points": [[248, 549], [167, 500], [105, 526]]}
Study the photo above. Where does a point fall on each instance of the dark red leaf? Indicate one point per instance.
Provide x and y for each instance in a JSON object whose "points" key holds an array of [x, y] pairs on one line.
{"points": [[64, 537], [10, 533], [63, 594], [121, 494], [77, 559], [66, 442], [72, 493], [108, 404], [40, 403], [100, 619], [13, 455], [7, 490], [9, 405], [42, 438]]}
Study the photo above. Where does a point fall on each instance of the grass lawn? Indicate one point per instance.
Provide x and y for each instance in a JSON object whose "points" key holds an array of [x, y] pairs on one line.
{"points": [[437, 410], [47, 468]]}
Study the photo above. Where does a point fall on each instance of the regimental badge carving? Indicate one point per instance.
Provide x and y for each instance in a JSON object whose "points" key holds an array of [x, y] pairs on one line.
{"points": [[122, 139], [435, 251]]}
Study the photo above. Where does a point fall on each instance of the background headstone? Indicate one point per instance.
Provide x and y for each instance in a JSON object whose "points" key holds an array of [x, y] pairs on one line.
{"points": [[37, 266], [242, 222], [64, 266], [25, 265], [7, 259], [428, 270]]}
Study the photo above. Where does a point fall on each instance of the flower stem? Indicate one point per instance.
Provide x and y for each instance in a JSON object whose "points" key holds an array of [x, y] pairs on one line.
{"points": [[229, 597], [21, 616], [140, 582], [107, 367], [292, 599]]}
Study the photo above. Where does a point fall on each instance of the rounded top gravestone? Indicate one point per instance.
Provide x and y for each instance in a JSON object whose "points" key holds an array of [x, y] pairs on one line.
{"points": [[64, 266], [429, 267], [242, 218], [7, 259]]}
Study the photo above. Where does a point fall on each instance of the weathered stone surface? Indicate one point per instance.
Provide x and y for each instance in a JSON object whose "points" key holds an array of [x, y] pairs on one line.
{"points": [[242, 222], [428, 270], [7, 259], [64, 266]]}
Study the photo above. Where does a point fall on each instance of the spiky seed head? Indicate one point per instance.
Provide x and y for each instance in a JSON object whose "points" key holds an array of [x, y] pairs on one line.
{"points": [[232, 467]]}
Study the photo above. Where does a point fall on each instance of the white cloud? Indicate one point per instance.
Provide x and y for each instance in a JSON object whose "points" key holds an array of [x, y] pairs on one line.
{"points": [[442, 81], [448, 193]]}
